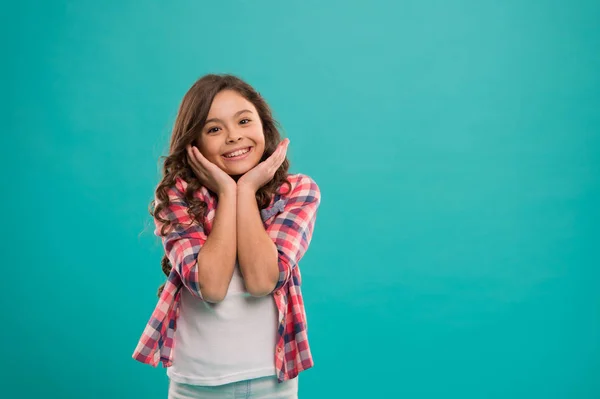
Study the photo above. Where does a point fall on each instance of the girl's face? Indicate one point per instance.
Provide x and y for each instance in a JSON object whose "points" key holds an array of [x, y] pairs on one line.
{"points": [[232, 137]]}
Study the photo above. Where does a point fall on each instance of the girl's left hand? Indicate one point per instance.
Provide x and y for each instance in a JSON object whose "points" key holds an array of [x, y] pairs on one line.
{"points": [[262, 173]]}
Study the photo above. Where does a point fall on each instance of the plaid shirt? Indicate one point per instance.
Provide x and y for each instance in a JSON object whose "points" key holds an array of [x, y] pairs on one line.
{"points": [[289, 221]]}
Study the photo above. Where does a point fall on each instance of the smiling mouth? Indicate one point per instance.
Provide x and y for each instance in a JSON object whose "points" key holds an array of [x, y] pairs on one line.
{"points": [[239, 154]]}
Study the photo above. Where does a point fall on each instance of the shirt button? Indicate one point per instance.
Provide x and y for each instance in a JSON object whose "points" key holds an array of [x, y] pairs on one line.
{"points": [[277, 292], [278, 349]]}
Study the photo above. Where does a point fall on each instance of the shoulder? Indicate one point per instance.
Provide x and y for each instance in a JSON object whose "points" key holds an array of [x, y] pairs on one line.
{"points": [[181, 186], [301, 186]]}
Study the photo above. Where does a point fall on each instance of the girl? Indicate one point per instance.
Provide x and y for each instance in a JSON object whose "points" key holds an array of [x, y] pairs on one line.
{"points": [[230, 319]]}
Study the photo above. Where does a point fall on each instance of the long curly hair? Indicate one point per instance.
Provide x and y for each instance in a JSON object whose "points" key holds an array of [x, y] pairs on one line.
{"points": [[189, 122]]}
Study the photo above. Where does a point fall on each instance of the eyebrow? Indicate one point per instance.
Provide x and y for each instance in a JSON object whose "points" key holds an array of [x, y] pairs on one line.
{"points": [[218, 120]]}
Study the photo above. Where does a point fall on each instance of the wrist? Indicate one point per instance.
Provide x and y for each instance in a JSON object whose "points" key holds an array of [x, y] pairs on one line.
{"points": [[227, 191], [245, 189]]}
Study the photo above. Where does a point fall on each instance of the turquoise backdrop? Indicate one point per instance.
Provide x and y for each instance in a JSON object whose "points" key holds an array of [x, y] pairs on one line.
{"points": [[456, 144]]}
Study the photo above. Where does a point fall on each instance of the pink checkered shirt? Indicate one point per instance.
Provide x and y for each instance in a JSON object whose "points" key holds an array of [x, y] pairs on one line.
{"points": [[289, 220]]}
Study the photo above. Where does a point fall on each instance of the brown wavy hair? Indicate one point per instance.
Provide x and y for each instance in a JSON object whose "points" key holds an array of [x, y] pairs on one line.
{"points": [[189, 122]]}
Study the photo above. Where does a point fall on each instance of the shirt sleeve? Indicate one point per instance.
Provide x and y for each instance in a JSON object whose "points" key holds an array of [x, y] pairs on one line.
{"points": [[292, 229], [182, 240]]}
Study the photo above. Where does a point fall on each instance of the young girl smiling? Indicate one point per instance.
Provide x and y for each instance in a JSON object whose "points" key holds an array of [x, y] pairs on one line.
{"points": [[230, 319]]}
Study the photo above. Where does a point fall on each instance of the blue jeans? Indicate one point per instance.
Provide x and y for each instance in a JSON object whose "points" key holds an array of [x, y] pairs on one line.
{"points": [[256, 388]]}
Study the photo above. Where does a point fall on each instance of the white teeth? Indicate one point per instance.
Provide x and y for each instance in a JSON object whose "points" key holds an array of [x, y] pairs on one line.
{"points": [[237, 153]]}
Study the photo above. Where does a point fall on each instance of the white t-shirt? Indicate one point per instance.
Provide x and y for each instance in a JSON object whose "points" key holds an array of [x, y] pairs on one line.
{"points": [[229, 341]]}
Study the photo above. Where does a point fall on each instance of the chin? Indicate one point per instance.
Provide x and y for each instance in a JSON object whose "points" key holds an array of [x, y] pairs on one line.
{"points": [[237, 171]]}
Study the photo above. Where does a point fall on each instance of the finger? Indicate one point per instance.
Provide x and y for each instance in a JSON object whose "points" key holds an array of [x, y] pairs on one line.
{"points": [[283, 153], [193, 162], [284, 146], [197, 154], [190, 153], [274, 162], [279, 152], [202, 161], [196, 169], [194, 155], [196, 165], [199, 159], [277, 161], [280, 158]]}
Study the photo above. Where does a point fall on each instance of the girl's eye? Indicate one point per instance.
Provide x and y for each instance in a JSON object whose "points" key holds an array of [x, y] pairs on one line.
{"points": [[244, 121], [213, 130]]}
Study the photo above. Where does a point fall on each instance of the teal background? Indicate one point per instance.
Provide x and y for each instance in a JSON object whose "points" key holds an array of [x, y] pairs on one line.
{"points": [[456, 144]]}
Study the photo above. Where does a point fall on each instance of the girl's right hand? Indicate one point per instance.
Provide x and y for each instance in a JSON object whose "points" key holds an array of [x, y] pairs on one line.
{"points": [[209, 174]]}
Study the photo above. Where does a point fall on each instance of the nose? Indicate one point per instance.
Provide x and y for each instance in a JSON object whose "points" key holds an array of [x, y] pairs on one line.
{"points": [[233, 136]]}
